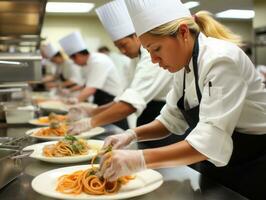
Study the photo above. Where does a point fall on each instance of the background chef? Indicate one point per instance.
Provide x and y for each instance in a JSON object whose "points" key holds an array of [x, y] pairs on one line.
{"points": [[65, 70], [100, 76]]}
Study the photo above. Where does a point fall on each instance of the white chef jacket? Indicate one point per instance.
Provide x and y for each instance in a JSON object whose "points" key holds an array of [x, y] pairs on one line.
{"points": [[101, 73], [70, 71], [149, 82], [236, 100], [122, 63], [50, 67]]}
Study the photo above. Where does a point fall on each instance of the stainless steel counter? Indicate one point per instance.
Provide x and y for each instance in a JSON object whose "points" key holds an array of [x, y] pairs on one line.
{"points": [[181, 183]]}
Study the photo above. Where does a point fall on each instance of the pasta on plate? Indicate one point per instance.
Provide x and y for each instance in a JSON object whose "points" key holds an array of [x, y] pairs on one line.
{"points": [[69, 146]]}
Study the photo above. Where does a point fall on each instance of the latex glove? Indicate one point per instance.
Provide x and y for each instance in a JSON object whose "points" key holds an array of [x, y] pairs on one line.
{"points": [[64, 92], [119, 163], [76, 113], [80, 126], [120, 141], [72, 100]]}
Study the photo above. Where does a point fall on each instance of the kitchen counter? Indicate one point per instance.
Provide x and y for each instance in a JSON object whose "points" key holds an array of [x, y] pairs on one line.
{"points": [[181, 182]]}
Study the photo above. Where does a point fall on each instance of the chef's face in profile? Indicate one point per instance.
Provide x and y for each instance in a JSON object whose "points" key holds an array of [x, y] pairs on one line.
{"points": [[80, 59], [170, 52], [57, 60], [129, 46]]}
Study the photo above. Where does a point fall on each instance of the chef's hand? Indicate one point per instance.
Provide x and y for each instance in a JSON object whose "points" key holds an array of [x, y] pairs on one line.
{"points": [[120, 141], [64, 92], [71, 100], [119, 163], [79, 126], [76, 113]]}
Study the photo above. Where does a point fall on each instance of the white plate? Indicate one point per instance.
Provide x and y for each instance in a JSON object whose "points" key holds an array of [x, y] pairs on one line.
{"points": [[54, 106], [145, 182], [87, 134], [95, 146], [36, 122]]}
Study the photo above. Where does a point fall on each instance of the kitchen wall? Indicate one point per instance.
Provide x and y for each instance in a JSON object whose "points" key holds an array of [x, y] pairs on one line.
{"points": [[56, 27], [259, 21], [260, 11]]}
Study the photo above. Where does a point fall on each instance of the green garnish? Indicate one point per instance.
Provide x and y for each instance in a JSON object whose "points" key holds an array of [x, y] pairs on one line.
{"points": [[70, 138]]}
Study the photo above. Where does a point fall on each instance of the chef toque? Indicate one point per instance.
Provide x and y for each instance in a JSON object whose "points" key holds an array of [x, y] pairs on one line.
{"points": [[149, 14], [50, 50], [73, 43], [115, 19]]}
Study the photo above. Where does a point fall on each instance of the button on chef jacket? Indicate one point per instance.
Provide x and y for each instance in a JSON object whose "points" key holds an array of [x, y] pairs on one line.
{"points": [[235, 99], [100, 73], [70, 71], [148, 82]]}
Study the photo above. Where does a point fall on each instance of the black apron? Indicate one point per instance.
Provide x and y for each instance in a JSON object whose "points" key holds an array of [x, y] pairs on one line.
{"points": [[102, 98], [246, 170], [153, 110]]}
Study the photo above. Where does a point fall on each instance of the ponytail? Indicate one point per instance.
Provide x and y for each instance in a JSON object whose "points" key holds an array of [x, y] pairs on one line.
{"points": [[203, 22]]}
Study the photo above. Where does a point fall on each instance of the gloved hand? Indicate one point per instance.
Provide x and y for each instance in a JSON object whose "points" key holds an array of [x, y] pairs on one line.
{"points": [[119, 163], [120, 141], [76, 113], [72, 100], [80, 126]]}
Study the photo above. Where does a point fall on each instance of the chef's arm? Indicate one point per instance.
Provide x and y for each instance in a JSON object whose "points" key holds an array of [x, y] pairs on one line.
{"points": [[76, 88], [181, 153], [151, 131], [116, 112], [85, 93], [68, 83], [101, 109]]}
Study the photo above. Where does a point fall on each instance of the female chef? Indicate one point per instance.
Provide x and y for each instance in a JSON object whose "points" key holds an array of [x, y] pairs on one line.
{"points": [[218, 99]]}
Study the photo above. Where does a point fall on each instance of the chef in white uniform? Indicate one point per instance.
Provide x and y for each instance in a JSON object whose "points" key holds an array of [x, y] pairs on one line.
{"points": [[100, 76], [150, 84], [218, 99], [65, 70]]}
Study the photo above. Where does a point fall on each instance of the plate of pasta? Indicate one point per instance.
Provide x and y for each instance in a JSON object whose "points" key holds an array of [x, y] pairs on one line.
{"points": [[68, 150], [59, 132], [81, 182], [46, 120]]}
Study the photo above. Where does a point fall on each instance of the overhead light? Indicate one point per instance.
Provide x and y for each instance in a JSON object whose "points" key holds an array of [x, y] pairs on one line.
{"points": [[236, 14], [68, 7], [191, 4]]}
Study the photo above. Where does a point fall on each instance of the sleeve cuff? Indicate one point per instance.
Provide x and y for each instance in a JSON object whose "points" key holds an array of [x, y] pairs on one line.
{"points": [[134, 98], [212, 142], [172, 121]]}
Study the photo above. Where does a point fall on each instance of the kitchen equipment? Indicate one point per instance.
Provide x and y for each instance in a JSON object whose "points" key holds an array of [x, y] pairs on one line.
{"points": [[10, 167], [19, 114]]}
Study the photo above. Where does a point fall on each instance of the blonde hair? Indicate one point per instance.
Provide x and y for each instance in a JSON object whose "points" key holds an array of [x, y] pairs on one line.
{"points": [[203, 22]]}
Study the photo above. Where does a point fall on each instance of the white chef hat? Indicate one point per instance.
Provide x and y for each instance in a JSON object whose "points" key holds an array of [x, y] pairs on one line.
{"points": [[115, 19], [149, 14], [50, 50], [73, 43]]}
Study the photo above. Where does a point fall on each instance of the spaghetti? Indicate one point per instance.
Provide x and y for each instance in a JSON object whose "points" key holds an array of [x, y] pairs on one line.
{"points": [[70, 146], [89, 182], [58, 130]]}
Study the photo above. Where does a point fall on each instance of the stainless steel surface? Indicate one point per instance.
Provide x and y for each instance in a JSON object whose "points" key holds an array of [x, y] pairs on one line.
{"points": [[30, 72], [179, 183], [10, 167], [20, 19]]}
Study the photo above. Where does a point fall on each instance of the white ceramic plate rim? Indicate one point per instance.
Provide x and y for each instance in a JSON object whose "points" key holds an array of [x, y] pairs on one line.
{"points": [[86, 134], [37, 123], [45, 184], [37, 154]]}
